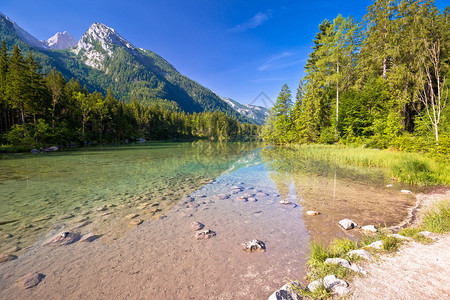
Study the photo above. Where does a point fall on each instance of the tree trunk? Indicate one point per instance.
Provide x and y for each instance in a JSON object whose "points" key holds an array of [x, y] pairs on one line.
{"points": [[337, 102]]}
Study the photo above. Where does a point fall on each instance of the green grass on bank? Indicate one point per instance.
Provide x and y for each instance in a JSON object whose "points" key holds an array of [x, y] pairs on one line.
{"points": [[436, 219], [406, 167]]}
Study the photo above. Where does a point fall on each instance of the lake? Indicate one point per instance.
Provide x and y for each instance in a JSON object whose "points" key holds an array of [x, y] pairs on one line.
{"points": [[168, 186]]}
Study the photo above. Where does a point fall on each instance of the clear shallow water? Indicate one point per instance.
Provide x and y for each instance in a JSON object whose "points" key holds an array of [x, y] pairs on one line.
{"points": [[57, 190], [97, 188]]}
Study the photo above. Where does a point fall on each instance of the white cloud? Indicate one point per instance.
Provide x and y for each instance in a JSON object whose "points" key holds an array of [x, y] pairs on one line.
{"points": [[253, 22]]}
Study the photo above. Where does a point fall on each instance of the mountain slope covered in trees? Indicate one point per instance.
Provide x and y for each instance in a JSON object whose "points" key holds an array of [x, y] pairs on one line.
{"points": [[103, 59]]}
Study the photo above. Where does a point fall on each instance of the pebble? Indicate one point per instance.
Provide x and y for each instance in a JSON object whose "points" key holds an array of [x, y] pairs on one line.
{"points": [[30, 280], [242, 198], [312, 213], [405, 192], [101, 208], [251, 199], [65, 217]]}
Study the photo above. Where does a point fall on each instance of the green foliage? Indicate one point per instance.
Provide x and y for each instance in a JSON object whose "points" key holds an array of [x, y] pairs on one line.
{"points": [[437, 219], [390, 243], [413, 171], [37, 111], [381, 85], [340, 247]]}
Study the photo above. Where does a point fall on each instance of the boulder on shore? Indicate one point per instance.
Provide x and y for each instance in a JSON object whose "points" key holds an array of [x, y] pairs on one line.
{"points": [[347, 224], [287, 292], [370, 228], [361, 253]]}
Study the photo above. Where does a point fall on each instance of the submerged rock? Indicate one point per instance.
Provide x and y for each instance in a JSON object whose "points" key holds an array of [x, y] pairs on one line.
{"points": [[197, 226], [254, 245], [136, 222], [63, 238], [347, 224], [7, 257], [241, 198], [261, 194], [285, 202], [287, 292], [90, 237], [204, 235], [221, 197], [252, 199], [131, 216], [370, 228], [312, 213], [30, 280]]}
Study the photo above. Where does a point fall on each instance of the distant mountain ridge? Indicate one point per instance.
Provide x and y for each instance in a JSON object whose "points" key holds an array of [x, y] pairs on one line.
{"points": [[102, 58], [61, 40], [257, 113]]}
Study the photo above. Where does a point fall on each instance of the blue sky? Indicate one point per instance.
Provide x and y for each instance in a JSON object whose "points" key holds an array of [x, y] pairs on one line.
{"points": [[235, 48]]}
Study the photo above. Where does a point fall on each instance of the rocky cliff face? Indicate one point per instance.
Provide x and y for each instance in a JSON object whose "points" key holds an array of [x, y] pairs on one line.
{"points": [[98, 43], [256, 113], [60, 40], [24, 35]]}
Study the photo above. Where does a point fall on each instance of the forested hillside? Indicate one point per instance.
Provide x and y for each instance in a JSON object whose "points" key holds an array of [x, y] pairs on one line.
{"points": [[103, 59], [38, 110], [382, 82]]}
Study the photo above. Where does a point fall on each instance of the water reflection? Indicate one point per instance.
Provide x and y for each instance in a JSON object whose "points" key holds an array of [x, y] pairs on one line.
{"points": [[337, 192]]}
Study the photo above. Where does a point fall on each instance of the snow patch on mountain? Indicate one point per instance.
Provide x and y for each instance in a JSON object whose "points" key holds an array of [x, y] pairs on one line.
{"points": [[24, 35], [98, 43], [254, 112], [60, 40]]}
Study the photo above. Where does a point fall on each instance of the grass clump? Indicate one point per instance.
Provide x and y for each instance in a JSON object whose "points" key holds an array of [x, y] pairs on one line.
{"points": [[437, 219]]}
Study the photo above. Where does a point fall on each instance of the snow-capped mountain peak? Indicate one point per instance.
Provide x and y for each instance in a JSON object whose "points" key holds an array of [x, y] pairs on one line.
{"points": [[106, 37], [60, 40]]}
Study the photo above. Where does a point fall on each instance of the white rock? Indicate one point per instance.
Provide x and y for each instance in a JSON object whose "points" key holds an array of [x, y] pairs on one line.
{"points": [[316, 284], [401, 237], [346, 264], [312, 213], [405, 192], [340, 290], [429, 235], [376, 245], [331, 281], [347, 224], [370, 228], [287, 292], [389, 185], [361, 253]]}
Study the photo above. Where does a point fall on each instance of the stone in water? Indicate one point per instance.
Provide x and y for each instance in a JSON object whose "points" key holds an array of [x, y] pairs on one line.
{"points": [[347, 224], [253, 246], [30, 280], [312, 213], [197, 226], [204, 235]]}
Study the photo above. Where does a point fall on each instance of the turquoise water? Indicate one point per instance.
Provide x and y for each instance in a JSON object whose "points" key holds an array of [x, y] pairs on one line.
{"points": [[55, 190]]}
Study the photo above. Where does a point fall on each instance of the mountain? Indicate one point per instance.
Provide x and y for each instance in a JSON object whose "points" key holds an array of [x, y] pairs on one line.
{"points": [[60, 41], [21, 33], [256, 113], [103, 58]]}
